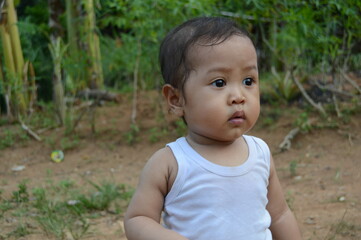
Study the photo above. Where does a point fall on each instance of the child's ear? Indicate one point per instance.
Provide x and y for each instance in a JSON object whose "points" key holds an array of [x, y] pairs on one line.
{"points": [[174, 99]]}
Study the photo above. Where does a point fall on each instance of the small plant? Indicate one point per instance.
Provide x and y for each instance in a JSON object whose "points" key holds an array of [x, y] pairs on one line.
{"points": [[181, 127], [10, 137], [156, 133], [293, 168], [4, 207], [303, 122], [7, 139], [56, 217], [22, 195], [131, 136], [105, 195], [290, 199], [20, 231], [68, 143], [338, 175], [344, 229], [44, 118], [66, 184], [284, 89]]}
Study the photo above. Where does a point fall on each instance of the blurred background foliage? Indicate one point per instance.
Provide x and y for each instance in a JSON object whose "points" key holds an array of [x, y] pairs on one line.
{"points": [[294, 38]]}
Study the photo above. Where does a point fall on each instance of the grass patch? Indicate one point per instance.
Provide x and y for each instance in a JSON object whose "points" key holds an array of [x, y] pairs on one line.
{"points": [[62, 209]]}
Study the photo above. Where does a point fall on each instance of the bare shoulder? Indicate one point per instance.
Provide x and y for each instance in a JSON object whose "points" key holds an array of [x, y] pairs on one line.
{"points": [[153, 186], [162, 167]]}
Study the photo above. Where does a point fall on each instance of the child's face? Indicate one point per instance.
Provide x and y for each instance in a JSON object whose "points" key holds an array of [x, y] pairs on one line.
{"points": [[222, 91]]}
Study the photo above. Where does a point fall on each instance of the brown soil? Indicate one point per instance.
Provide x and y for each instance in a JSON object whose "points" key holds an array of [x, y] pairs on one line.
{"points": [[323, 188]]}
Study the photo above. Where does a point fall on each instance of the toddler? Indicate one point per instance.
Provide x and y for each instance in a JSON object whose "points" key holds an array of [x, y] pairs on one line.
{"points": [[216, 183]]}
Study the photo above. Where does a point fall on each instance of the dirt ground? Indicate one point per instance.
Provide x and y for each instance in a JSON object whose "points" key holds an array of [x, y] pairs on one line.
{"points": [[320, 174]]}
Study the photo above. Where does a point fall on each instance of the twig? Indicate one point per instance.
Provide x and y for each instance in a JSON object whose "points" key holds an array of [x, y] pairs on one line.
{"points": [[338, 225], [30, 132], [84, 107], [337, 108], [334, 90], [348, 135], [318, 106], [352, 82], [286, 143], [135, 83], [98, 94]]}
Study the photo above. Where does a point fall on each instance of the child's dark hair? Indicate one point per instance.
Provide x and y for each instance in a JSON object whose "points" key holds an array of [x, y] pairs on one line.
{"points": [[206, 31]]}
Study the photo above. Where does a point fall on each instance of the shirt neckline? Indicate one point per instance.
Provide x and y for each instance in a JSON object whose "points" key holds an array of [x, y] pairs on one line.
{"points": [[216, 168]]}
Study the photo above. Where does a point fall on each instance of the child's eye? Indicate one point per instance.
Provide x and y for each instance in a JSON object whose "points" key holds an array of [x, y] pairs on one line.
{"points": [[219, 83], [248, 81]]}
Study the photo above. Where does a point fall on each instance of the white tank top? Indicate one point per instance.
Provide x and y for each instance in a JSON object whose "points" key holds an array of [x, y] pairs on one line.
{"points": [[212, 202]]}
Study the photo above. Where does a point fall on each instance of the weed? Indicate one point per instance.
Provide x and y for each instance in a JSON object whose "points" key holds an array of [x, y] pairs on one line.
{"points": [[56, 218], [7, 140], [10, 137], [290, 199], [56, 215], [338, 175], [20, 231], [52, 223], [344, 229], [131, 136], [21, 195], [68, 143], [156, 133], [293, 168], [303, 122], [283, 88], [44, 118], [66, 184], [105, 195], [39, 197], [3, 121], [181, 127], [5, 206]]}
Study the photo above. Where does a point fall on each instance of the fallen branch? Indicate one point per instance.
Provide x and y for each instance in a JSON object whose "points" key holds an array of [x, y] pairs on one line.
{"points": [[98, 95], [84, 108], [286, 143], [30, 132], [352, 82], [318, 106], [334, 90], [337, 108]]}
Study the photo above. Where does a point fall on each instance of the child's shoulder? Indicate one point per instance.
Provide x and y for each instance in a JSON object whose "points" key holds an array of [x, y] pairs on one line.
{"points": [[162, 156], [163, 166]]}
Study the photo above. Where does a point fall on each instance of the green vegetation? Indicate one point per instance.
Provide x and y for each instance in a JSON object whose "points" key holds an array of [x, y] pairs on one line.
{"points": [[62, 208], [309, 57], [293, 168], [307, 49], [10, 137]]}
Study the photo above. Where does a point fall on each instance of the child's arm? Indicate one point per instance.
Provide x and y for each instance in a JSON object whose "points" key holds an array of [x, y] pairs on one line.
{"points": [[284, 225], [142, 219]]}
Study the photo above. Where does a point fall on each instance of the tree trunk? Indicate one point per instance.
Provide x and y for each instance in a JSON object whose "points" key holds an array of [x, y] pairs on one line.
{"points": [[71, 26], [95, 73], [14, 61], [55, 10], [57, 51]]}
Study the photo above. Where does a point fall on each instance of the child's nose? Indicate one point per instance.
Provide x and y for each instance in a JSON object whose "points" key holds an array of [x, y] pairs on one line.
{"points": [[236, 96]]}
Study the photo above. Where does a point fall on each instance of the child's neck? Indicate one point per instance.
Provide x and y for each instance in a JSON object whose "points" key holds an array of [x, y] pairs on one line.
{"points": [[232, 153]]}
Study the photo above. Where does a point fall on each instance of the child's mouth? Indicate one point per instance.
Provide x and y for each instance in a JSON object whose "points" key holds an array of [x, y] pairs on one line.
{"points": [[237, 118]]}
